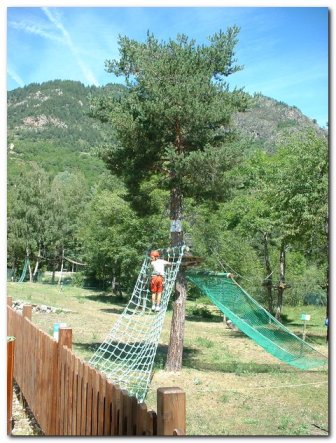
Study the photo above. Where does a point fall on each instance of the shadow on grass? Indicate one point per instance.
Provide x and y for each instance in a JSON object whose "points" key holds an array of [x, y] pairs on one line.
{"points": [[191, 360], [238, 368], [104, 297], [210, 319], [112, 310], [161, 356]]}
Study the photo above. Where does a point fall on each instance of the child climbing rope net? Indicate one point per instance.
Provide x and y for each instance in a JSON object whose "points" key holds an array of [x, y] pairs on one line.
{"points": [[126, 355]]}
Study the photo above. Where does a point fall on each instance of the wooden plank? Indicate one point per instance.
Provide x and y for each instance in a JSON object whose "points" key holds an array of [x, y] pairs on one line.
{"points": [[79, 396], [30, 363], [47, 371], [108, 408], [151, 420], [116, 400], [132, 423], [84, 399], [42, 401], [129, 415], [46, 382], [34, 398], [95, 391], [101, 404], [61, 408], [21, 375], [55, 388], [141, 420], [73, 410], [88, 427], [71, 360], [17, 332], [65, 391], [123, 418]]}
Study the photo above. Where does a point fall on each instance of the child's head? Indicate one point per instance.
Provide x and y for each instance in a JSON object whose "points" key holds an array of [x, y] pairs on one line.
{"points": [[154, 255]]}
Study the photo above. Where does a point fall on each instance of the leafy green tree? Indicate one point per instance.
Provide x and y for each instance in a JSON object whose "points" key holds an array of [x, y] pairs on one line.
{"points": [[67, 198], [112, 241], [299, 194], [27, 209], [177, 102], [281, 201]]}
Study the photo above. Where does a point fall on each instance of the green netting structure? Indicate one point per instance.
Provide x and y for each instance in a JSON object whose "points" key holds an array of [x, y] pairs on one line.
{"points": [[126, 356], [24, 271], [252, 319]]}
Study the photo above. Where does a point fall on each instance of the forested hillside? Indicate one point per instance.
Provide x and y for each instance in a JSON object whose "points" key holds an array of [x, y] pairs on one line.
{"points": [[49, 123], [255, 202]]}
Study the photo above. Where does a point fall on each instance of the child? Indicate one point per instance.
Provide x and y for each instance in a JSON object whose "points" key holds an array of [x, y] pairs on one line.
{"points": [[157, 279]]}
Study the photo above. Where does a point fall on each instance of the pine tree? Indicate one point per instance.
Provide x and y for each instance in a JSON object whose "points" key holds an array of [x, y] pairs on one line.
{"points": [[177, 104]]}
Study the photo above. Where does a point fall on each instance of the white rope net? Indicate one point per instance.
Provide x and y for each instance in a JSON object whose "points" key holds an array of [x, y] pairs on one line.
{"points": [[127, 354]]}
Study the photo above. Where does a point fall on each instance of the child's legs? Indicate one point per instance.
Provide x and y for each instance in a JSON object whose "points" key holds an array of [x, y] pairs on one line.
{"points": [[156, 289]]}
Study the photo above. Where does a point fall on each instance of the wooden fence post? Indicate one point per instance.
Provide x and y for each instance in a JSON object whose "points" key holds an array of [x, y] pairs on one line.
{"points": [[10, 369], [27, 311], [171, 411], [65, 337], [10, 301]]}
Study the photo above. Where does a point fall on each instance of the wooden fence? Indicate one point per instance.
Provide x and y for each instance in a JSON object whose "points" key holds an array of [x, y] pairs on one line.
{"points": [[68, 397]]}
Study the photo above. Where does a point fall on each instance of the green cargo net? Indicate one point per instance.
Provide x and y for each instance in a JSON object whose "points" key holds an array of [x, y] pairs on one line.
{"points": [[252, 319], [127, 354]]}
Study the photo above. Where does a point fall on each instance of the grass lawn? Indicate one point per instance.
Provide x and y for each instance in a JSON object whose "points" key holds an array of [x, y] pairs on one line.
{"points": [[233, 387]]}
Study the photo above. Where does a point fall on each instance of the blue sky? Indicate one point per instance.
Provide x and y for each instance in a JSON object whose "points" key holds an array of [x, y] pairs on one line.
{"points": [[284, 50]]}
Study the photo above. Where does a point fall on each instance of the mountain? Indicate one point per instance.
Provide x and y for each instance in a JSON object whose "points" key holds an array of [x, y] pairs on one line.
{"points": [[50, 124], [267, 120]]}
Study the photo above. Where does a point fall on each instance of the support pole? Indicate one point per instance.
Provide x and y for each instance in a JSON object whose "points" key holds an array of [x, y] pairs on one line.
{"points": [[171, 411], [27, 311], [65, 337]]}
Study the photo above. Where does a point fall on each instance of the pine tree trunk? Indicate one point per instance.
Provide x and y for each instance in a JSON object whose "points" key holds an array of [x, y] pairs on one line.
{"points": [[175, 348], [176, 341]]}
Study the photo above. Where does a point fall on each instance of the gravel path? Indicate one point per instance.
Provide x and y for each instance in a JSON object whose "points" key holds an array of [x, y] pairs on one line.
{"points": [[23, 420]]}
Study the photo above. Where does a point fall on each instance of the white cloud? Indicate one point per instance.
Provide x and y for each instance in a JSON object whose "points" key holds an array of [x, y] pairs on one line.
{"points": [[34, 29], [68, 41], [16, 77]]}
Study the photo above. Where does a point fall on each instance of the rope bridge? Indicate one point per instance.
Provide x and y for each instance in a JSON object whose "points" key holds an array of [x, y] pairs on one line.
{"points": [[127, 354], [252, 319]]}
